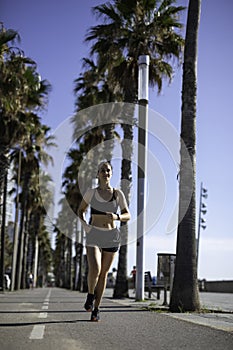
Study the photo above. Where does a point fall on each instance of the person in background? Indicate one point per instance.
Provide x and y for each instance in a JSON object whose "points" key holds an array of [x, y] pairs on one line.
{"points": [[30, 278], [107, 206], [133, 274]]}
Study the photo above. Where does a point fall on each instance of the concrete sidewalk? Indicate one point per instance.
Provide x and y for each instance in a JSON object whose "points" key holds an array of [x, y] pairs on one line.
{"points": [[214, 302], [217, 308]]}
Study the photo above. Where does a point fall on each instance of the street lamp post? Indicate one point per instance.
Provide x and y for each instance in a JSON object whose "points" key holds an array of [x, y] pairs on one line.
{"points": [[143, 83], [201, 221]]}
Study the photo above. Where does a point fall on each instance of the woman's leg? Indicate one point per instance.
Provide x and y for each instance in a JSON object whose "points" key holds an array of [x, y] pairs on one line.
{"points": [[94, 267], [106, 262]]}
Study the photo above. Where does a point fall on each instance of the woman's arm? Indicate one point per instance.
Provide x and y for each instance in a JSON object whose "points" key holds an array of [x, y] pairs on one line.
{"points": [[125, 214], [83, 209]]}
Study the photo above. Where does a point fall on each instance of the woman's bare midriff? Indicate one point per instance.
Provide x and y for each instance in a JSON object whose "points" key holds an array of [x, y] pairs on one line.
{"points": [[102, 222]]}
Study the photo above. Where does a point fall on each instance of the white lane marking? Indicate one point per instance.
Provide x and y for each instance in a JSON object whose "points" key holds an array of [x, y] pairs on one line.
{"points": [[48, 295], [37, 332]]}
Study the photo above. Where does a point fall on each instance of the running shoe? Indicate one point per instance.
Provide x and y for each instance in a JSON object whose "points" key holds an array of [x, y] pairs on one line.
{"points": [[95, 315], [89, 302]]}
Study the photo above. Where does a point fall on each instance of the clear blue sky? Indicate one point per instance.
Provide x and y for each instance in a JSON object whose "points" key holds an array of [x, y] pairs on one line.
{"points": [[52, 34]]}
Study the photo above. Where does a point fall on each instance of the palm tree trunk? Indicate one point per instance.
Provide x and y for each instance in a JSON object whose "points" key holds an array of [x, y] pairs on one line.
{"points": [[16, 226], [185, 295], [22, 233], [25, 254], [109, 137], [3, 227], [24, 263], [36, 259], [69, 264], [79, 260], [121, 287], [20, 251]]}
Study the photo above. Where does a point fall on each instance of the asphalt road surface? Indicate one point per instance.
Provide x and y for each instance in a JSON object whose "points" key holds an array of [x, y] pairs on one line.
{"points": [[52, 318]]}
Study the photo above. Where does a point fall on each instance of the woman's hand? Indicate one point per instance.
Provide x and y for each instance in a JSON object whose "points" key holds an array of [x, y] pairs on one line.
{"points": [[86, 227], [112, 216]]}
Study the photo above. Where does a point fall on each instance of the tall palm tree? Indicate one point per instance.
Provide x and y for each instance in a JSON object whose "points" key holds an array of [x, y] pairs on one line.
{"points": [[185, 287], [38, 215], [8, 110], [93, 89], [59, 256], [63, 253], [20, 88], [72, 186], [18, 80], [45, 256], [34, 154], [133, 28]]}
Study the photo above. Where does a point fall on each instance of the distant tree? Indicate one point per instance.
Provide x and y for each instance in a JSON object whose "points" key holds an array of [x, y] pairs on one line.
{"points": [[33, 155], [45, 255]]}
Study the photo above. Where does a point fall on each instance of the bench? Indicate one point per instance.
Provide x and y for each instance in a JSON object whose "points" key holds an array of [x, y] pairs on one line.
{"points": [[150, 287]]}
